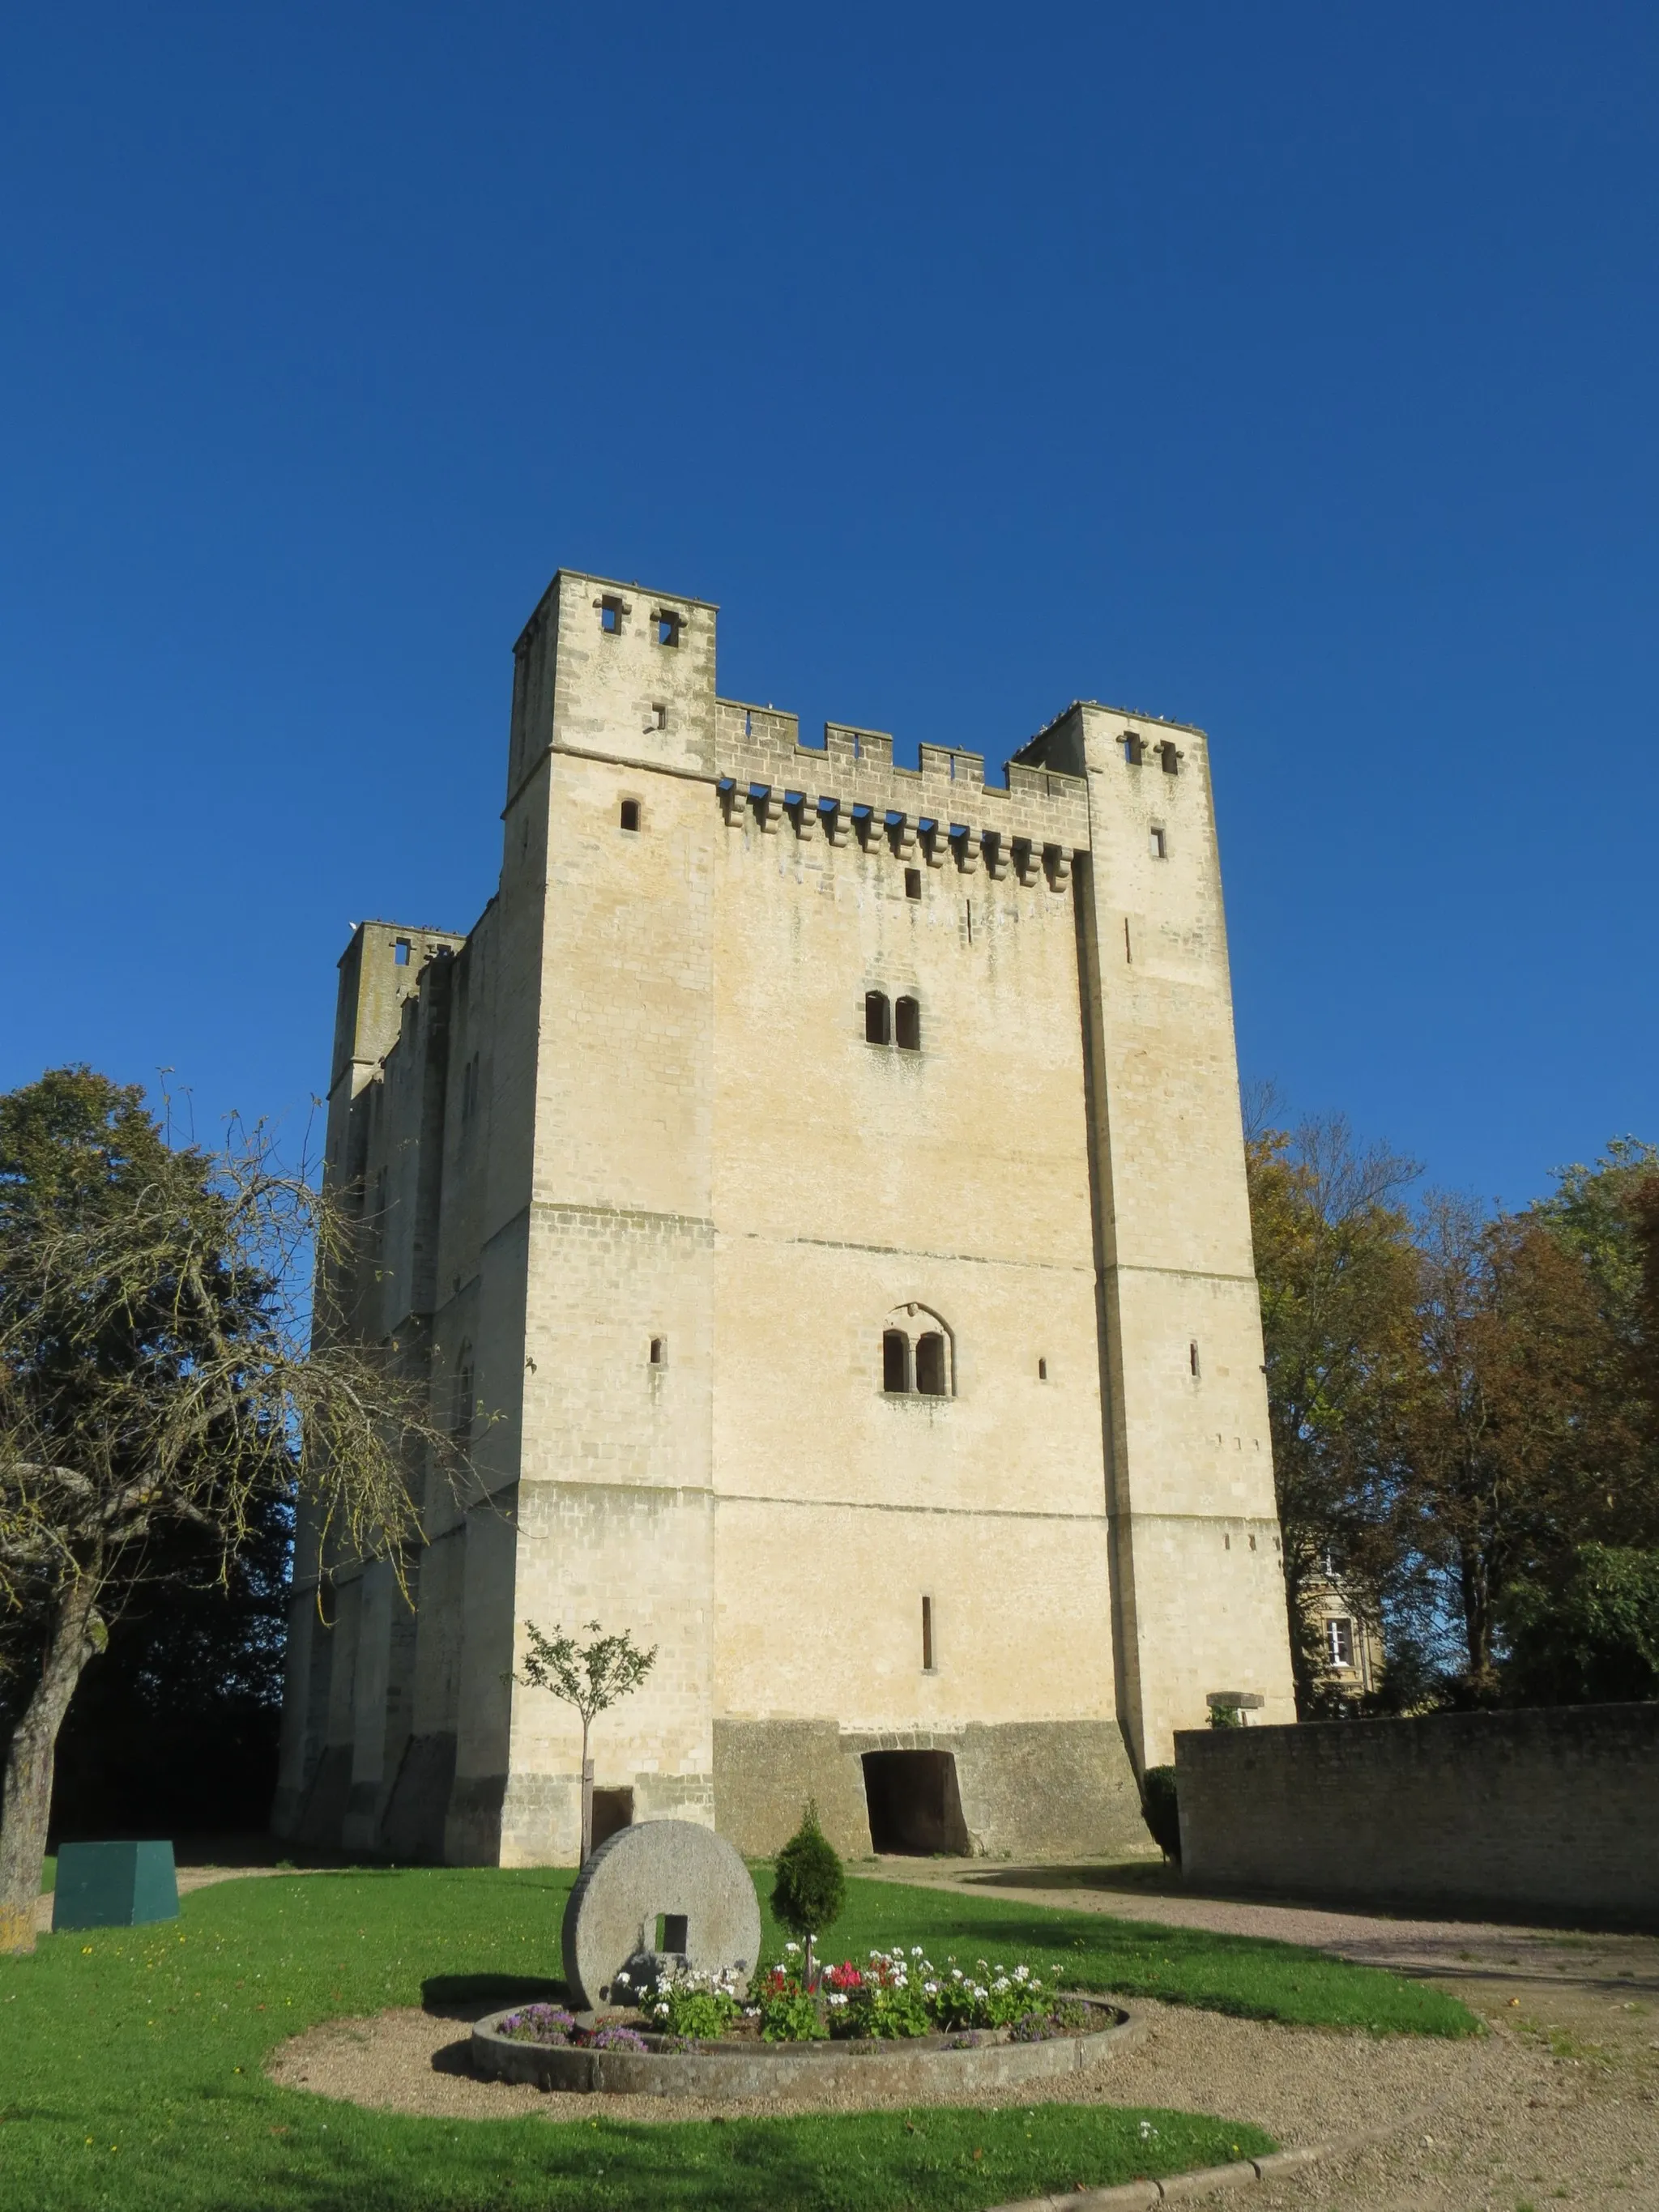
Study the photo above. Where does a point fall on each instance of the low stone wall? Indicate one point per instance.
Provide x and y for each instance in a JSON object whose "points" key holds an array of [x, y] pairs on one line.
{"points": [[1555, 1811], [927, 2065]]}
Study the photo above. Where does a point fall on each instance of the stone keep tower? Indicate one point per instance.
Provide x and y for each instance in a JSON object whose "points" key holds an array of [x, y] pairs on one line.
{"points": [[818, 1190]]}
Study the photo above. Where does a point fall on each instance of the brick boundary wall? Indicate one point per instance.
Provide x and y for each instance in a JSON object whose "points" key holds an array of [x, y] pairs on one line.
{"points": [[1554, 1811]]}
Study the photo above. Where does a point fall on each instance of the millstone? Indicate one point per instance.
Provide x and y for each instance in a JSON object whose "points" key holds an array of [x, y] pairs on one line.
{"points": [[656, 1900]]}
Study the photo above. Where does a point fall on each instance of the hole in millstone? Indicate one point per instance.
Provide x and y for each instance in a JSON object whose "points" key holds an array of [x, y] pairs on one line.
{"points": [[670, 1931]]}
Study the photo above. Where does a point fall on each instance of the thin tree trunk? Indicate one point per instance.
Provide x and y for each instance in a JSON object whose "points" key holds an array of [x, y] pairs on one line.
{"points": [[587, 1799], [1477, 1617], [26, 1803]]}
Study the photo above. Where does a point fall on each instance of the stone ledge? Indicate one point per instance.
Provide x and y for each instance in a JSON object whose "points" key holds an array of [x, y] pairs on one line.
{"points": [[758, 2069], [1202, 2180]]}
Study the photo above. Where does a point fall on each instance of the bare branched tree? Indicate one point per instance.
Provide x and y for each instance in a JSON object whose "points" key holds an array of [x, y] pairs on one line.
{"points": [[162, 1361]]}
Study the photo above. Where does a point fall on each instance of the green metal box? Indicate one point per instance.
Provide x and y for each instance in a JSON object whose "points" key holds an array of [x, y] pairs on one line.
{"points": [[114, 1885]]}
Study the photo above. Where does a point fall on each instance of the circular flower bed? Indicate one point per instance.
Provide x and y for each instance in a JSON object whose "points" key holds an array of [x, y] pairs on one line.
{"points": [[897, 2012], [552, 2025], [894, 1996]]}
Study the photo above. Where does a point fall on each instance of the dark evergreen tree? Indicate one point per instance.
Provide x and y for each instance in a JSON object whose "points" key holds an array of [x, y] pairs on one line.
{"points": [[809, 1887]]}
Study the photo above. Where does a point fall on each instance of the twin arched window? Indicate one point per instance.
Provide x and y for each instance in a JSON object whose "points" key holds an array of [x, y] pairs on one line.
{"points": [[917, 1355], [899, 1024]]}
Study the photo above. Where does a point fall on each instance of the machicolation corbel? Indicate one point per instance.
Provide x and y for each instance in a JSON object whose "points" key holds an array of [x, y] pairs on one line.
{"points": [[938, 844]]}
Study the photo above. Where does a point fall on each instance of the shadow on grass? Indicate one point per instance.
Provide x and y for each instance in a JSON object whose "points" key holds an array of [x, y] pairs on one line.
{"points": [[928, 2159], [469, 1996], [1156, 1877]]}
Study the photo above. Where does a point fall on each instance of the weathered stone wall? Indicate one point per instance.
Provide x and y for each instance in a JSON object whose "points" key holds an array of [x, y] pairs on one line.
{"points": [[1555, 1811]]}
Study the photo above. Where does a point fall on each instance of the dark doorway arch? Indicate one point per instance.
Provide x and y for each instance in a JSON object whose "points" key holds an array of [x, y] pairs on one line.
{"points": [[914, 1802]]}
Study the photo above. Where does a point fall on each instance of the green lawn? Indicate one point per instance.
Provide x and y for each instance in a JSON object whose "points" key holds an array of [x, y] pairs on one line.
{"points": [[1243, 1975], [130, 2061]]}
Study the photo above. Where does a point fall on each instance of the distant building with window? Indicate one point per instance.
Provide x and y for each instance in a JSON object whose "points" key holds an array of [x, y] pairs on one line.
{"points": [[1348, 1635], [816, 1189]]}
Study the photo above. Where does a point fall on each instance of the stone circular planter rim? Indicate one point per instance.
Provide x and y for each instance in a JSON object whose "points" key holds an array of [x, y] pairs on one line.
{"points": [[745, 2069]]}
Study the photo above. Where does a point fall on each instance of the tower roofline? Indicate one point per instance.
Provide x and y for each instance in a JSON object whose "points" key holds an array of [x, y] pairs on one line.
{"points": [[1103, 706], [614, 584]]}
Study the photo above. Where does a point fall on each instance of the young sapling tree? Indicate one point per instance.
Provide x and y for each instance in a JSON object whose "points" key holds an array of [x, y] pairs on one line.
{"points": [[592, 1677]]}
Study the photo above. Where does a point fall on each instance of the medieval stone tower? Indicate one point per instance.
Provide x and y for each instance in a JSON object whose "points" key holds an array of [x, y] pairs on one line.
{"points": [[819, 1188]]}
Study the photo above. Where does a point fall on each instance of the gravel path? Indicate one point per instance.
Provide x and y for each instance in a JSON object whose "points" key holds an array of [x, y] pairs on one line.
{"points": [[1371, 1939], [1301, 2084], [1498, 2123]]}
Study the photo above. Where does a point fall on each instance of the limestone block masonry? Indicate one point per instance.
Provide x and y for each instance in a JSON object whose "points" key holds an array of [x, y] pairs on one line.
{"points": [[814, 1190]]}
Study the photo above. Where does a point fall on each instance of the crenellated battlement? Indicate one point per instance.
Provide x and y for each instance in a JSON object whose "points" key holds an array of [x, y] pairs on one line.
{"points": [[849, 786]]}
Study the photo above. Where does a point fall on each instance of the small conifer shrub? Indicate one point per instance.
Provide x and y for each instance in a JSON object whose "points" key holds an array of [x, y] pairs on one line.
{"points": [[1163, 1815], [809, 1888]]}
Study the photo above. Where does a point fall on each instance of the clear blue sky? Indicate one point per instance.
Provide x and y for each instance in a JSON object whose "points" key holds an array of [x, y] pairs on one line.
{"points": [[1289, 370]]}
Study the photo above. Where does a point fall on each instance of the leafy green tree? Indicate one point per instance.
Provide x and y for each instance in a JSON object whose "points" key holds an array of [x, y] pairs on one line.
{"points": [[591, 1677], [161, 1368], [1521, 1440], [1592, 1636], [1338, 1274], [1607, 1216], [1595, 1212], [809, 1887], [1644, 1225]]}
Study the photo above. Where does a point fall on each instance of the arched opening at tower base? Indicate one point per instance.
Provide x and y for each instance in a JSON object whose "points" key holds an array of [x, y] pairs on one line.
{"points": [[612, 1809], [914, 1802]]}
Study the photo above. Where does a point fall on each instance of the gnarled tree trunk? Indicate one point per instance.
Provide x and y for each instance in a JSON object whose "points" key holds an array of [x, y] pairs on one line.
{"points": [[26, 1805]]}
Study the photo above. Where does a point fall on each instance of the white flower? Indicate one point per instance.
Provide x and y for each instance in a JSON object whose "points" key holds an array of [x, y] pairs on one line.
{"points": [[915, 1950], [956, 1973], [836, 1997], [931, 1988], [623, 1978], [792, 1946]]}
